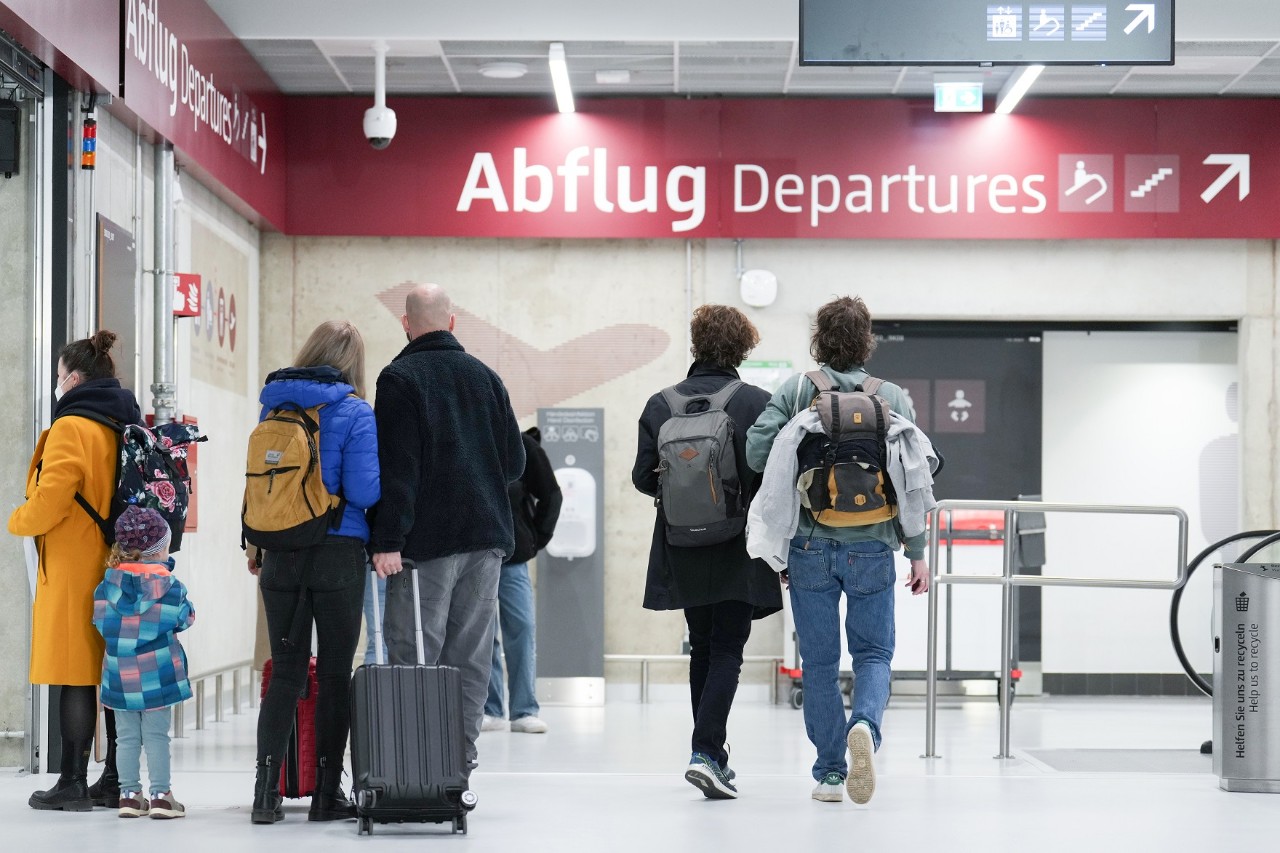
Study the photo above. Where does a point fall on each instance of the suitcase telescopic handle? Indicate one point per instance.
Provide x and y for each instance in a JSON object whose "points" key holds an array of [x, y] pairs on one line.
{"points": [[379, 654]]}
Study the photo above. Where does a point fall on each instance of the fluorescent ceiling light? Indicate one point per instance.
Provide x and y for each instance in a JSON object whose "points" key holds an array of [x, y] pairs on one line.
{"points": [[1017, 86], [560, 77]]}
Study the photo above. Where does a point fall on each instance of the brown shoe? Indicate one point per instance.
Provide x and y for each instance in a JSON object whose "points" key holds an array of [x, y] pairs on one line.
{"points": [[133, 804], [165, 807]]}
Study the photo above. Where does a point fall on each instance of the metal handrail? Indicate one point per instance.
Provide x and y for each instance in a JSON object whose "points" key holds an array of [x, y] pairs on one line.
{"points": [[198, 682], [1008, 580], [644, 661]]}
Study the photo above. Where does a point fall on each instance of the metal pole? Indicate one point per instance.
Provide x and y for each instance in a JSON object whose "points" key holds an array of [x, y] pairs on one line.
{"points": [[235, 690], [931, 647], [200, 704], [950, 543], [217, 698], [644, 681], [162, 388], [1006, 636], [179, 720]]}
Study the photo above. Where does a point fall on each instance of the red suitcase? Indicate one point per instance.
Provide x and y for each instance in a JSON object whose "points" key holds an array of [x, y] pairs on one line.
{"points": [[298, 772]]}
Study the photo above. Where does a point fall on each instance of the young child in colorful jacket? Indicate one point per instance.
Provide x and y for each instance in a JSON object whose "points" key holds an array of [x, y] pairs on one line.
{"points": [[139, 608]]}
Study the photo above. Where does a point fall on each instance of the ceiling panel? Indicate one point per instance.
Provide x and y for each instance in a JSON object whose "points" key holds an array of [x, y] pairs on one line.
{"points": [[1136, 85], [764, 67], [1223, 48], [405, 74]]}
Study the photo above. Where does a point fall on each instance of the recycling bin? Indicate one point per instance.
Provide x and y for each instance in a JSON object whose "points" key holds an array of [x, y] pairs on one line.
{"points": [[1246, 677]]}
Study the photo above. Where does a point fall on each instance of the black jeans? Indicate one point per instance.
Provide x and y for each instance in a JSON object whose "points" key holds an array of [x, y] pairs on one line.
{"points": [[325, 585], [717, 635]]}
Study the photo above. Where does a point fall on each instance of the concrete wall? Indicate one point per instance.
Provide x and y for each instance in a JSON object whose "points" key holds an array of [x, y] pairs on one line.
{"points": [[17, 436], [551, 295], [214, 241]]}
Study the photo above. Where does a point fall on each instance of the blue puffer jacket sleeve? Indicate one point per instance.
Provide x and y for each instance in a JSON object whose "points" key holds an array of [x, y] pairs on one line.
{"points": [[349, 458]]}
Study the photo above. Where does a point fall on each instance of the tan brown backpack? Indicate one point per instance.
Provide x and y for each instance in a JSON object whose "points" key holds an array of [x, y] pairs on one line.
{"points": [[286, 504]]}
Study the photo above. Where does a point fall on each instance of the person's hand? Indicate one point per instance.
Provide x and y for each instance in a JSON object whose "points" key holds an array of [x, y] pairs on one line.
{"points": [[918, 582], [785, 578], [387, 564], [253, 566]]}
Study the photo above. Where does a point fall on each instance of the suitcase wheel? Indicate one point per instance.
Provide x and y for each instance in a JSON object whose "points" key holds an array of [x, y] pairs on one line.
{"points": [[366, 826], [469, 801], [460, 824]]}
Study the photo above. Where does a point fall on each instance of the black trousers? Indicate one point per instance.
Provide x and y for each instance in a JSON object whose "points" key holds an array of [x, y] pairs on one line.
{"points": [[717, 635], [324, 586]]}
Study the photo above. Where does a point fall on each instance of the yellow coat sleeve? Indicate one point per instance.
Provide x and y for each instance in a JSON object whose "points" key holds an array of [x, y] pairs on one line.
{"points": [[52, 497]]}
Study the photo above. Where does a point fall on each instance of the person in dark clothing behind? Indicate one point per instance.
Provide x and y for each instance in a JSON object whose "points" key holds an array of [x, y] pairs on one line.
{"points": [[449, 445], [719, 587], [535, 508]]}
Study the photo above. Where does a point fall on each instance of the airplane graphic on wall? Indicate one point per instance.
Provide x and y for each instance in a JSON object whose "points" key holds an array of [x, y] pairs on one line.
{"points": [[537, 378]]}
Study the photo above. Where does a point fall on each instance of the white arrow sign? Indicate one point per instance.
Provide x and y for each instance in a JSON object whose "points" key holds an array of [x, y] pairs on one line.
{"points": [[1146, 12], [1237, 166]]}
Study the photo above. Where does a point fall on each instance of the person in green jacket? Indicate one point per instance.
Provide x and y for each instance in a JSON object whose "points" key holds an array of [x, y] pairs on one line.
{"points": [[825, 563]]}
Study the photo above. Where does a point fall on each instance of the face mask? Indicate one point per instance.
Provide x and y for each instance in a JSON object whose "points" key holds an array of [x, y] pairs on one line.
{"points": [[58, 390]]}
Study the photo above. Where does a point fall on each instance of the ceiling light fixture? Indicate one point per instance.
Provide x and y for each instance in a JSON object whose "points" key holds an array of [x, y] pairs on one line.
{"points": [[1016, 87], [613, 76], [504, 70], [560, 77]]}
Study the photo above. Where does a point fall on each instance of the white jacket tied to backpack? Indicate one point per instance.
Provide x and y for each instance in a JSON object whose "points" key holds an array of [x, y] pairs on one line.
{"points": [[775, 513]]}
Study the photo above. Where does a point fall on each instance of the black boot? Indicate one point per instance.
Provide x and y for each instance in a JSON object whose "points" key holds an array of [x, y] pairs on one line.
{"points": [[266, 793], [71, 792], [106, 791], [329, 802]]}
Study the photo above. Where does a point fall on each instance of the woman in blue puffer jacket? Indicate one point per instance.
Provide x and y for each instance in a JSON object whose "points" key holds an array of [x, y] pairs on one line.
{"points": [[323, 584]]}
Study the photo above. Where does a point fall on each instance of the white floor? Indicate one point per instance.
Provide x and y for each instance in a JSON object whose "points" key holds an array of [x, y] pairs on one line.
{"points": [[610, 780]]}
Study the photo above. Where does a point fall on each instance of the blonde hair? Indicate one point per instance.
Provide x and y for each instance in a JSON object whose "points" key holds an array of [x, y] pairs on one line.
{"points": [[336, 343], [120, 555]]}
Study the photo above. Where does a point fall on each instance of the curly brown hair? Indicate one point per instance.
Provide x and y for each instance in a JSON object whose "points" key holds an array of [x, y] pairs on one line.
{"points": [[842, 336], [722, 335]]}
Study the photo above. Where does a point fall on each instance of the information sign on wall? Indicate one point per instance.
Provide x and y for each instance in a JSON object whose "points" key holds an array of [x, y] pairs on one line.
{"points": [[1056, 169], [959, 32], [570, 599]]}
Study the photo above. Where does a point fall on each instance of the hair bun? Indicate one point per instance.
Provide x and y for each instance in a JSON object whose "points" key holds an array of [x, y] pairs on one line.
{"points": [[102, 341]]}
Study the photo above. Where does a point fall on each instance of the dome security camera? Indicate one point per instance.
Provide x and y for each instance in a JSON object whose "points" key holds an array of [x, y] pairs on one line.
{"points": [[379, 126]]}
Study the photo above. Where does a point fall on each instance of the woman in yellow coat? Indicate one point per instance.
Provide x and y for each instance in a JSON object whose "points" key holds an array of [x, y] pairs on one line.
{"points": [[77, 455]]}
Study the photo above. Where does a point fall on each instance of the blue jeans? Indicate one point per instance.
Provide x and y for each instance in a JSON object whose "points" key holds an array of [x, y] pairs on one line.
{"points": [[863, 573], [138, 729], [370, 650], [515, 617]]}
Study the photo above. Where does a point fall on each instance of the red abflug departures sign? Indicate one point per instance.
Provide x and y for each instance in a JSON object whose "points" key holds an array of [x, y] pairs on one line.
{"points": [[1056, 169]]}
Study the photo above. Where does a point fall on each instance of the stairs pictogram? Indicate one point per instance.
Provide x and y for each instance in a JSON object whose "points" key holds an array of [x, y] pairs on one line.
{"points": [[1150, 183], [1089, 21]]}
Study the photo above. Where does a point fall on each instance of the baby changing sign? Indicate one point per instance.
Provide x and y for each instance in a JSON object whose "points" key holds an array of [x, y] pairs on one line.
{"points": [[1246, 754]]}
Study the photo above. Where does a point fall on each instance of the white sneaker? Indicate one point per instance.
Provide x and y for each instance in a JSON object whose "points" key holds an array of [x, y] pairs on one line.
{"points": [[494, 724], [861, 783], [529, 725], [830, 789]]}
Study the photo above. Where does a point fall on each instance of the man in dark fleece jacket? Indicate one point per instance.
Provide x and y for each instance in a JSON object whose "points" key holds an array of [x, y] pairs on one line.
{"points": [[448, 445]]}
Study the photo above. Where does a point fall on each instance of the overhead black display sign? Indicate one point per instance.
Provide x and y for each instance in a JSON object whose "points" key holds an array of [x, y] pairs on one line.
{"points": [[968, 32]]}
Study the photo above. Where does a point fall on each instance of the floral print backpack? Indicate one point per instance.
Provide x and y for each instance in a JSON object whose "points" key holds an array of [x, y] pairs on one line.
{"points": [[151, 471]]}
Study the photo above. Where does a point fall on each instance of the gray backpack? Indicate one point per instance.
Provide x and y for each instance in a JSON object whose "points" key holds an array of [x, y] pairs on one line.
{"points": [[698, 486]]}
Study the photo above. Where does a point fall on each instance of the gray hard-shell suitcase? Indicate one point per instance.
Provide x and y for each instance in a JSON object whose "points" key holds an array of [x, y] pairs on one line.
{"points": [[408, 747]]}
